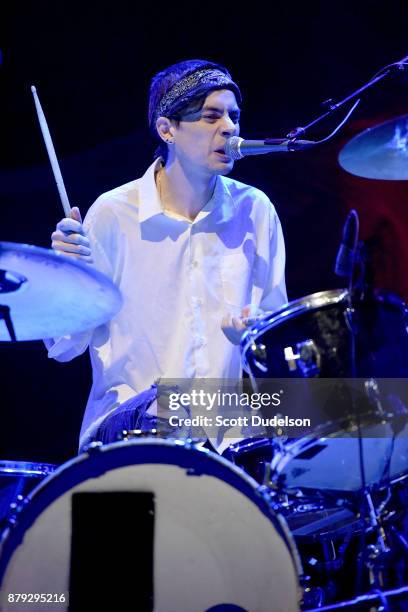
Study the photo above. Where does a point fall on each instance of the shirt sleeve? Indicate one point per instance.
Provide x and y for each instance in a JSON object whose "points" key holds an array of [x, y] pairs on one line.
{"points": [[98, 225], [274, 295]]}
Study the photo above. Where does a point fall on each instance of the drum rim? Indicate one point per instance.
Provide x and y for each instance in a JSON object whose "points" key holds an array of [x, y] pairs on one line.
{"points": [[50, 489], [310, 302], [29, 469]]}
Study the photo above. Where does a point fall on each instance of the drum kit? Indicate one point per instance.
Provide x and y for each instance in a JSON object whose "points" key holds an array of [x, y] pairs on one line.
{"points": [[317, 522]]}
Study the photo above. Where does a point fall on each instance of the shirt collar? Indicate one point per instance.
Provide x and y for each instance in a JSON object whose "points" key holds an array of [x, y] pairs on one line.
{"points": [[149, 202], [221, 203]]}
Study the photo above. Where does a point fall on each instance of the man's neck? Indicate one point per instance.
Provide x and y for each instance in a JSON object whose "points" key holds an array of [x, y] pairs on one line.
{"points": [[184, 193]]}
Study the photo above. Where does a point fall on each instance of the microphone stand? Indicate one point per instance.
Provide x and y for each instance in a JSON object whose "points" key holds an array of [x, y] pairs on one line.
{"points": [[6, 286], [372, 556], [382, 74]]}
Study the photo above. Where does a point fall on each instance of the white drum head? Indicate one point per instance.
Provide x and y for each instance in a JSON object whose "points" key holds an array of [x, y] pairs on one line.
{"points": [[215, 539]]}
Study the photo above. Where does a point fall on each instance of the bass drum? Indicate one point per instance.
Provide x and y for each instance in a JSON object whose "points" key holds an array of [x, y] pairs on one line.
{"points": [[215, 542]]}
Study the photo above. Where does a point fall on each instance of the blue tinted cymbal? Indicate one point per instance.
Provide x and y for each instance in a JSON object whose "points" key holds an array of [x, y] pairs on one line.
{"points": [[51, 295], [380, 152]]}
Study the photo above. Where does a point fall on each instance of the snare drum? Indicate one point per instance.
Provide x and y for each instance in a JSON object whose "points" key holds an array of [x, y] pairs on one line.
{"points": [[331, 461], [203, 534], [328, 459]]}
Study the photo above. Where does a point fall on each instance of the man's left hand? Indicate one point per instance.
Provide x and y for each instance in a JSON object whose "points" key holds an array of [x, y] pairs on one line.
{"points": [[234, 326]]}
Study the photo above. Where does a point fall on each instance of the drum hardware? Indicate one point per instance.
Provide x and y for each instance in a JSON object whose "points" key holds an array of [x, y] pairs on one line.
{"points": [[373, 393], [376, 562], [133, 434], [307, 358], [381, 599], [312, 596], [17, 479], [93, 447], [5, 316], [318, 471], [379, 557], [15, 509], [400, 539], [259, 356], [379, 152], [9, 282], [337, 549]]}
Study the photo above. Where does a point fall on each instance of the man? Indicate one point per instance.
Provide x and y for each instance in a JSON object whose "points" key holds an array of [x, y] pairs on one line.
{"points": [[192, 252]]}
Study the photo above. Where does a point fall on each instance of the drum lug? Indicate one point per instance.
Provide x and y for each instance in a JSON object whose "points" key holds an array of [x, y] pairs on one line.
{"points": [[373, 393], [15, 509], [132, 434], [307, 358], [93, 447], [259, 356]]}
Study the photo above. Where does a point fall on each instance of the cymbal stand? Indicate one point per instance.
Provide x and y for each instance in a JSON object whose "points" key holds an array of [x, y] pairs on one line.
{"points": [[6, 317]]}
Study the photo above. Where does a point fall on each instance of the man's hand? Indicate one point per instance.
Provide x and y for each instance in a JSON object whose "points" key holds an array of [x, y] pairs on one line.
{"points": [[233, 326], [70, 238]]}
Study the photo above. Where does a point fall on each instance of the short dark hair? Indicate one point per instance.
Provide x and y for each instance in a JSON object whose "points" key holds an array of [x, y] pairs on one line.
{"points": [[162, 82]]}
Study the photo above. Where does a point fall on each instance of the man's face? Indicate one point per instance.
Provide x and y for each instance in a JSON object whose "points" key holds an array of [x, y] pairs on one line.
{"points": [[199, 139]]}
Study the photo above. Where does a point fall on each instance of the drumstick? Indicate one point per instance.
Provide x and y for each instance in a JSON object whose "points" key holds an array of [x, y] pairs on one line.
{"points": [[248, 321], [51, 154]]}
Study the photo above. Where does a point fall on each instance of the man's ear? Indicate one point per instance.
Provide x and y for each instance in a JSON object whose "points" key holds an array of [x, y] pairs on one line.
{"points": [[165, 129]]}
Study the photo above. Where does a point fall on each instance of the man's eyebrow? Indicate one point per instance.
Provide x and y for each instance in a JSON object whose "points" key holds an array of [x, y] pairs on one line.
{"points": [[235, 109]]}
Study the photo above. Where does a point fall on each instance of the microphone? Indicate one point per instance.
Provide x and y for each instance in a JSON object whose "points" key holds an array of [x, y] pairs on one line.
{"points": [[345, 255], [237, 147]]}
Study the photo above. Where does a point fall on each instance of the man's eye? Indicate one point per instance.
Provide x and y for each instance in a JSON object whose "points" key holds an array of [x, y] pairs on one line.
{"points": [[215, 116], [211, 116]]}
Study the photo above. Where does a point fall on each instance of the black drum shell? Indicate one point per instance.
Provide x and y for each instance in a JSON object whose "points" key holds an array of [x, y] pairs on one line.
{"points": [[381, 341]]}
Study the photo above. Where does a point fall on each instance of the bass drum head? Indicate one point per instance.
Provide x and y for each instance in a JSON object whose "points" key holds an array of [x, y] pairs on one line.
{"points": [[216, 539]]}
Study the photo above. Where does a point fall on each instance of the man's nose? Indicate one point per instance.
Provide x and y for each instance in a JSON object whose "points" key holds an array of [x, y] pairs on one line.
{"points": [[229, 127]]}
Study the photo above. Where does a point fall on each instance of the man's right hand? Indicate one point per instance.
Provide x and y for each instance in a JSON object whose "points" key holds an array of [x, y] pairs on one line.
{"points": [[70, 238]]}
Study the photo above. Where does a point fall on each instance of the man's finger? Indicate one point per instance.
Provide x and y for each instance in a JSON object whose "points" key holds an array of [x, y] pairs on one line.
{"points": [[70, 225], [76, 214], [65, 247], [59, 236]]}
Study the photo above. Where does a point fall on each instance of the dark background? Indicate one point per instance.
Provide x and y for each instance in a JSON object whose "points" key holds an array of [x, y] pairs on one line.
{"points": [[92, 62]]}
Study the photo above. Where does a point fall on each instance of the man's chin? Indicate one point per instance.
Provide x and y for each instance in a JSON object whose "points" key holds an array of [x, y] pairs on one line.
{"points": [[224, 168]]}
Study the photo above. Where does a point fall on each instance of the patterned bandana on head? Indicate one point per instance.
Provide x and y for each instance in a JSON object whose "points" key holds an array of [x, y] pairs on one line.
{"points": [[191, 86]]}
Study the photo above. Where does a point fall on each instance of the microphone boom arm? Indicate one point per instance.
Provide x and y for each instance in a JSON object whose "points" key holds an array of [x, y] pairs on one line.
{"points": [[382, 74]]}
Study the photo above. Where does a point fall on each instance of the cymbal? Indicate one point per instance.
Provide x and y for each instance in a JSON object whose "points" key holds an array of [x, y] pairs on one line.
{"points": [[50, 295], [380, 152]]}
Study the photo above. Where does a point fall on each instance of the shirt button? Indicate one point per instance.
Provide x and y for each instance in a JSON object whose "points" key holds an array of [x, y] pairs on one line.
{"points": [[194, 264]]}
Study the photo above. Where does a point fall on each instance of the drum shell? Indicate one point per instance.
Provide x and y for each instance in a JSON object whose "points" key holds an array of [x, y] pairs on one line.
{"points": [[381, 340]]}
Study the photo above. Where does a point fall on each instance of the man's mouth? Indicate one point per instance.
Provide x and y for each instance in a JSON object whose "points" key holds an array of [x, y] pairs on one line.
{"points": [[222, 152]]}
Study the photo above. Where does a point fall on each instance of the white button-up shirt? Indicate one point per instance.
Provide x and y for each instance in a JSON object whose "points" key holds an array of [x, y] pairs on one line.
{"points": [[178, 279]]}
